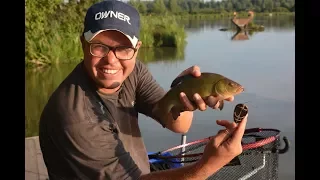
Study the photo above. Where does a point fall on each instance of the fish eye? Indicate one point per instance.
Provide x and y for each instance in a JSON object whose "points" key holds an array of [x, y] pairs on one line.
{"points": [[231, 84]]}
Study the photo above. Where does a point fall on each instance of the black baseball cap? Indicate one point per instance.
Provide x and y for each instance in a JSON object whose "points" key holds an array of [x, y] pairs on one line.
{"points": [[112, 15]]}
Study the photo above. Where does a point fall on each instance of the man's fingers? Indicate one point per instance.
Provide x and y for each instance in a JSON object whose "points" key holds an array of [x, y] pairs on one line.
{"points": [[217, 105], [236, 130], [229, 125], [188, 105], [194, 70], [212, 102], [239, 130], [200, 102], [221, 136]]}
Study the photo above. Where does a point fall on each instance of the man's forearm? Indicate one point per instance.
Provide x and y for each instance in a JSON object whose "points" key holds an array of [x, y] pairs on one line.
{"points": [[196, 171], [181, 124]]}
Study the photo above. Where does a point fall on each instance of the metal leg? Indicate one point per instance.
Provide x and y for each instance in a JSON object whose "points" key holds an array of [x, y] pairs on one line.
{"points": [[183, 141]]}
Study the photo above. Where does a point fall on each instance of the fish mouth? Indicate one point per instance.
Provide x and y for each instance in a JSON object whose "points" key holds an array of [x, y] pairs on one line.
{"points": [[240, 89]]}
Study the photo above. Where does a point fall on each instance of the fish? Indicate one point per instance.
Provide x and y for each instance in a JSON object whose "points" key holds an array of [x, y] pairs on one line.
{"points": [[208, 84]]}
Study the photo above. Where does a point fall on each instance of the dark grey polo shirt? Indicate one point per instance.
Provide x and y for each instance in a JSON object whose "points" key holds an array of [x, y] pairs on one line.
{"points": [[89, 135]]}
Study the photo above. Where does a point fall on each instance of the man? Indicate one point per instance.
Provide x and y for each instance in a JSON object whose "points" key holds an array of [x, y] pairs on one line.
{"points": [[89, 127]]}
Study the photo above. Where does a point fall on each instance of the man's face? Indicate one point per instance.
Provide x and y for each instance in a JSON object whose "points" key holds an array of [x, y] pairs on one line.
{"points": [[108, 72]]}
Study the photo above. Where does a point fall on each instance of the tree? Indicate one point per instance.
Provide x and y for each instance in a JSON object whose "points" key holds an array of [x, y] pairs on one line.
{"points": [[268, 5], [159, 7], [174, 7]]}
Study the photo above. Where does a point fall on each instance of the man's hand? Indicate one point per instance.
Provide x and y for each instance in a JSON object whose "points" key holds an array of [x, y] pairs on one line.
{"points": [[201, 104], [226, 145]]}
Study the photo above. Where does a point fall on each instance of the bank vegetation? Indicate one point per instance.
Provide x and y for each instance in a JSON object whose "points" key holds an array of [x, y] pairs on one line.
{"points": [[53, 27]]}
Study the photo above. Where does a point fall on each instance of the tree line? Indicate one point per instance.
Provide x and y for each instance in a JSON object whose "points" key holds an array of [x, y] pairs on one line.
{"points": [[207, 7]]}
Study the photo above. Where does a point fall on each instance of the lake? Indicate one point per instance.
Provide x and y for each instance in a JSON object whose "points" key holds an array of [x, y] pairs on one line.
{"points": [[263, 62]]}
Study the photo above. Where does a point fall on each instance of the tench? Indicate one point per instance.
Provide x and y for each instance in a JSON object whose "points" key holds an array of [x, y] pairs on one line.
{"points": [[208, 84]]}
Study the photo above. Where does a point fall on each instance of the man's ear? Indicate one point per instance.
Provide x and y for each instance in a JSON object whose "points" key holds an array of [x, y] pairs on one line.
{"points": [[139, 43]]}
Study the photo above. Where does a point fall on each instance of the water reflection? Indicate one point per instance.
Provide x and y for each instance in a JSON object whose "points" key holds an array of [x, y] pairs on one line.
{"points": [[240, 36], [280, 23], [40, 83], [243, 35], [166, 54]]}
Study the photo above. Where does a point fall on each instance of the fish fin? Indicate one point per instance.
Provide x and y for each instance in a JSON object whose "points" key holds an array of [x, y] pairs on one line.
{"points": [[175, 112], [180, 79], [159, 115], [234, 162], [221, 105]]}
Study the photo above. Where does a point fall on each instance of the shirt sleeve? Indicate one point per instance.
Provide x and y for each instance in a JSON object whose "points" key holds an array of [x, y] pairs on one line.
{"points": [[149, 92], [94, 151]]}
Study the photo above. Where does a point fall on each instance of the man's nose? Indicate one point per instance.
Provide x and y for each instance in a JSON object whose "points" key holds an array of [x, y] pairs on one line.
{"points": [[111, 57]]}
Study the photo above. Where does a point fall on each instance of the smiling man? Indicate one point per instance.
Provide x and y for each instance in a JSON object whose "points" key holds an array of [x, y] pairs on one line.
{"points": [[89, 127]]}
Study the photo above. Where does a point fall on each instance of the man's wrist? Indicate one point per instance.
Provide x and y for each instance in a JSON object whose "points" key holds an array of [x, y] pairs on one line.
{"points": [[206, 168]]}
